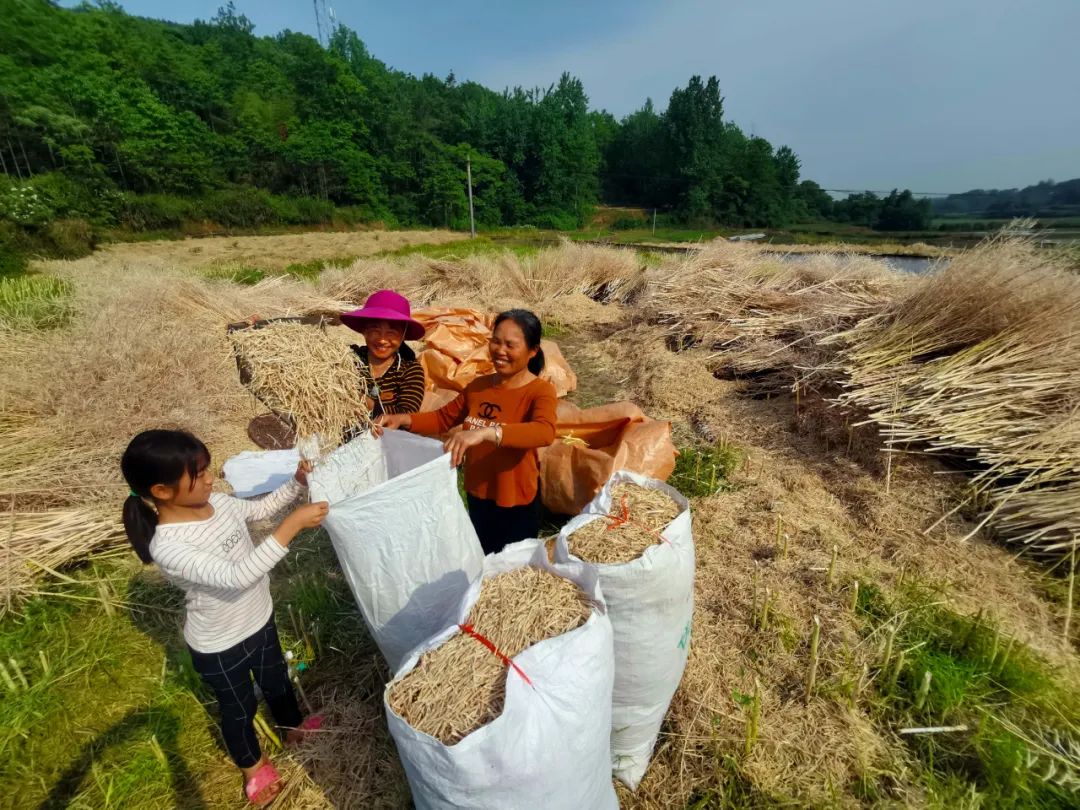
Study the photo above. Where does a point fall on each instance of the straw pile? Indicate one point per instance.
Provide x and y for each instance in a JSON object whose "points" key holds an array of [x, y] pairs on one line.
{"points": [[764, 314], [496, 281], [143, 347], [637, 519], [300, 372], [461, 686], [982, 361]]}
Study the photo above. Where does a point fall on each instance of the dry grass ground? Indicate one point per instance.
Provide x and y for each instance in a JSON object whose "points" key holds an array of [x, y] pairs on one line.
{"points": [[799, 507], [273, 252]]}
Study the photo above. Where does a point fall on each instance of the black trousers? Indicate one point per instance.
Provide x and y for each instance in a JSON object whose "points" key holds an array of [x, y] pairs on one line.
{"points": [[229, 674], [498, 525]]}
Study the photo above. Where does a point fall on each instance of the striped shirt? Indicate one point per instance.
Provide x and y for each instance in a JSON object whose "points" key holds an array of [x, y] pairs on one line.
{"points": [[401, 387], [222, 573]]}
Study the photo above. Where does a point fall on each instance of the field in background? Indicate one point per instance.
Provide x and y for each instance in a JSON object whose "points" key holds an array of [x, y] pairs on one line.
{"points": [[797, 515]]}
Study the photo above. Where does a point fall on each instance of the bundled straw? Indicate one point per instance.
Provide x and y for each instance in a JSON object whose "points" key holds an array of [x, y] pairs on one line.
{"points": [[300, 372], [637, 520], [765, 313], [982, 361], [461, 686], [32, 543]]}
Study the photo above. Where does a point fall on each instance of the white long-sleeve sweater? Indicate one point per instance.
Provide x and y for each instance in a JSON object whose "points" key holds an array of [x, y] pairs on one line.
{"points": [[222, 573]]}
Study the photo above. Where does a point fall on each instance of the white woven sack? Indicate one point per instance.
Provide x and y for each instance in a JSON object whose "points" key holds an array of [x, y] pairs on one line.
{"points": [[550, 747], [401, 533], [651, 604]]}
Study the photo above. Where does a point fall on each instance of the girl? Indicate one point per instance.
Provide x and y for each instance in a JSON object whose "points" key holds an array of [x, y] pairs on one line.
{"points": [[397, 378], [200, 541], [506, 416]]}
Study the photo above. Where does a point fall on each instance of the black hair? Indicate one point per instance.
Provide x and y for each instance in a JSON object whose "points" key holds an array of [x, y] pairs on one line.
{"points": [[156, 457], [530, 328]]}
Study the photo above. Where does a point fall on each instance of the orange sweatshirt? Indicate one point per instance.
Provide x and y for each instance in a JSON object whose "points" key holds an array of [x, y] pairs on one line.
{"points": [[507, 474]]}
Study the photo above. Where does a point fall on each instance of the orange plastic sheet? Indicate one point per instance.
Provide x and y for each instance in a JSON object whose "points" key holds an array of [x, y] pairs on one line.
{"points": [[592, 443], [455, 353]]}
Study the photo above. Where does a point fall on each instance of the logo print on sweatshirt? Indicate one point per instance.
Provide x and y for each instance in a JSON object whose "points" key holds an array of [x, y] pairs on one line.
{"points": [[488, 410], [230, 542]]}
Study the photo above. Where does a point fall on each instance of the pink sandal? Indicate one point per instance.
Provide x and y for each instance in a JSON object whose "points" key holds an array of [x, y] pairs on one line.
{"points": [[257, 786], [312, 723]]}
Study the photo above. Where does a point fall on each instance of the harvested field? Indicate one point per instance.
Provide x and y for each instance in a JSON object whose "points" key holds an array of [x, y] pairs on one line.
{"points": [[800, 522], [273, 252]]}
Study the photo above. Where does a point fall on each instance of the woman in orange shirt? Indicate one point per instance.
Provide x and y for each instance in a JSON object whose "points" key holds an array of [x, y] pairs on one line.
{"points": [[505, 417]]}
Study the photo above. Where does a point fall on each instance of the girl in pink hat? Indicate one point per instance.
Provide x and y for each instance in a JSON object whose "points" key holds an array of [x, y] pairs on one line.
{"points": [[396, 376]]}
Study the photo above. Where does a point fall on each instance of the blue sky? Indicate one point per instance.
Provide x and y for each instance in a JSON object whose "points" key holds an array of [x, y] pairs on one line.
{"points": [[932, 95]]}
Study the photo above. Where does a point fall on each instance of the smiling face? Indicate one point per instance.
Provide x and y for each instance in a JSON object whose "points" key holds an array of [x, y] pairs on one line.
{"points": [[383, 339], [509, 351]]}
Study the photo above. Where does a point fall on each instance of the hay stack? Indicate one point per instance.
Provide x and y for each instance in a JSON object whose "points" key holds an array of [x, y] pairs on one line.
{"points": [[461, 685], [496, 281], [637, 519], [300, 372], [763, 313], [143, 346], [981, 361]]}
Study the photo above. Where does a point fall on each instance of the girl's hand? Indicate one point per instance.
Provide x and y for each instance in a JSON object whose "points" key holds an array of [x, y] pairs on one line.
{"points": [[390, 421], [309, 515], [457, 444], [305, 516], [302, 470]]}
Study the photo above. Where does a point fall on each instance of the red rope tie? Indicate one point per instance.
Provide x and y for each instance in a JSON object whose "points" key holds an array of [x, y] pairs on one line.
{"points": [[468, 630], [617, 520]]}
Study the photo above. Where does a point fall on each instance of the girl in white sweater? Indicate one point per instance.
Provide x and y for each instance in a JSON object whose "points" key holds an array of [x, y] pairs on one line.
{"points": [[200, 540]]}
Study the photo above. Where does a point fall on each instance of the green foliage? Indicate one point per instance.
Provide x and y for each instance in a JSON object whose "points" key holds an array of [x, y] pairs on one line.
{"points": [[702, 470], [153, 212], [1043, 200], [237, 274], [34, 302], [311, 269], [150, 124], [900, 211], [997, 687], [12, 256], [67, 238]]}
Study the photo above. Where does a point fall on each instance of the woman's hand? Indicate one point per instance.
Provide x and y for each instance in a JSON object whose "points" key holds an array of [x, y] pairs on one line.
{"points": [[457, 444], [302, 470], [391, 421]]}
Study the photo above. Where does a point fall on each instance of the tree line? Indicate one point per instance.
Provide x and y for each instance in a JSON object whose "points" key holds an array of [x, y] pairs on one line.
{"points": [[113, 119], [1044, 199]]}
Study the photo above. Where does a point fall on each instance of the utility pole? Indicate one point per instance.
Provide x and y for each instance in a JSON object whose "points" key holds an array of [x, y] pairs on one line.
{"points": [[472, 219], [654, 222]]}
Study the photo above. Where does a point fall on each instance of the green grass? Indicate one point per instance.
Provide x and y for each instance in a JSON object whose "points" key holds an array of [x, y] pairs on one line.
{"points": [[35, 302], [1009, 698], [244, 274], [703, 470], [638, 235], [119, 719], [311, 269]]}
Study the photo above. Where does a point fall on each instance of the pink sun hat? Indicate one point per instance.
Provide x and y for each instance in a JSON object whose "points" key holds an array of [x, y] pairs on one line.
{"points": [[385, 305]]}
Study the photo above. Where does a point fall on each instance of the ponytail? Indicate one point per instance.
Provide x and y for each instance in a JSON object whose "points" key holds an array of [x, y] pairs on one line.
{"points": [[530, 327], [140, 521], [536, 364], [156, 457]]}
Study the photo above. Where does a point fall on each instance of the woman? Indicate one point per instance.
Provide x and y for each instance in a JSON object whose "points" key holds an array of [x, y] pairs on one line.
{"points": [[397, 378], [505, 417]]}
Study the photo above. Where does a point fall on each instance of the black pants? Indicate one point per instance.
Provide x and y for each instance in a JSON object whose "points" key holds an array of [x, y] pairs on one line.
{"points": [[498, 525], [229, 673]]}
